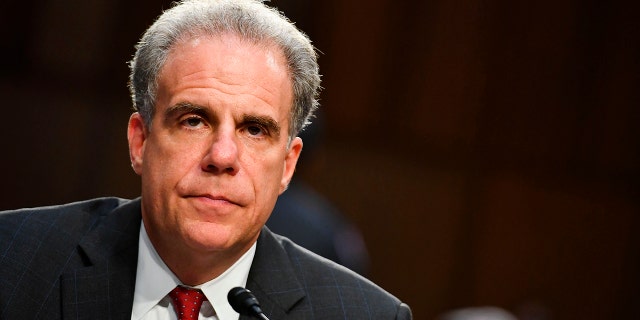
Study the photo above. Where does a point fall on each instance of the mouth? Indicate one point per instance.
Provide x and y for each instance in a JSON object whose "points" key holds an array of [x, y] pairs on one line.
{"points": [[213, 199]]}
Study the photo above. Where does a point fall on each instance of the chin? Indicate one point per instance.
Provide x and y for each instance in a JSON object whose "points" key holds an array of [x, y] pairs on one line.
{"points": [[206, 236]]}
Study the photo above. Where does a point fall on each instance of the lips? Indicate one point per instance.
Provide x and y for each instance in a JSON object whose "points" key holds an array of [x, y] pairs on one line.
{"points": [[214, 199]]}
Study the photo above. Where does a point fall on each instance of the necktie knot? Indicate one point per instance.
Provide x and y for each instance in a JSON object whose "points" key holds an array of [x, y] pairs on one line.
{"points": [[187, 302]]}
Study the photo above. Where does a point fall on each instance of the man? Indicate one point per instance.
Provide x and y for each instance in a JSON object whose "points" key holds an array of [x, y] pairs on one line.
{"points": [[221, 90]]}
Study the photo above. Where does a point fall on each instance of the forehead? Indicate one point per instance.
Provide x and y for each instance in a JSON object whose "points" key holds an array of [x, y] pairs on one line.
{"points": [[229, 65]]}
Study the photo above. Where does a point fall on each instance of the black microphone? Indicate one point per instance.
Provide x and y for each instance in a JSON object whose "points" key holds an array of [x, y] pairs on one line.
{"points": [[245, 303]]}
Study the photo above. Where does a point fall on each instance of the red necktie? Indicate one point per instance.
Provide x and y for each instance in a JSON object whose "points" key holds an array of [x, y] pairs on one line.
{"points": [[187, 302]]}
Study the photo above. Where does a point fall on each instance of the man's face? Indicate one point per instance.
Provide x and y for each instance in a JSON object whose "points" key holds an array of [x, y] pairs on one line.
{"points": [[216, 157]]}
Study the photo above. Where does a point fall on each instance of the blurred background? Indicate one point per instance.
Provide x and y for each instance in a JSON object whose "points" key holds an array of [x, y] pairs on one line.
{"points": [[487, 151]]}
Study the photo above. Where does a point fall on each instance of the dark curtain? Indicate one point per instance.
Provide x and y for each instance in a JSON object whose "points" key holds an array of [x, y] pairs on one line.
{"points": [[488, 150]]}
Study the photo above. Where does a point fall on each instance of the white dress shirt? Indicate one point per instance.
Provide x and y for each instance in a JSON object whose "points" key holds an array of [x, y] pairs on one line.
{"points": [[154, 281]]}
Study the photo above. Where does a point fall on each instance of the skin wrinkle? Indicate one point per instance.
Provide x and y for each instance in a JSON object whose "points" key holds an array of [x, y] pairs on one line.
{"points": [[271, 51], [208, 186], [230, 85], [183, 108]]}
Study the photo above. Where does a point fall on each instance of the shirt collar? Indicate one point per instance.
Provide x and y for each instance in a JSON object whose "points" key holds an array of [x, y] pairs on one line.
{"points": [[154, 280]]}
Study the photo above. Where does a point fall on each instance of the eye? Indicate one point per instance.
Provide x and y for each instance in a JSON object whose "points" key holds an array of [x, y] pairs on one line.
{"points": [[259, 127], [255, 130], [192, 122]]}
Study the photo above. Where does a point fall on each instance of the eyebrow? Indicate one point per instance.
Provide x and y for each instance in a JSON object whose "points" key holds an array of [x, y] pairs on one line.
{"points": [[184, 107], [264, 121], [188, 107]]}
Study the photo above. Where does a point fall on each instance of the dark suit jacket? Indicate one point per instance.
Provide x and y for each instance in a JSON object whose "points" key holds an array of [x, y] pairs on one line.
{"points": [[78, 261]]}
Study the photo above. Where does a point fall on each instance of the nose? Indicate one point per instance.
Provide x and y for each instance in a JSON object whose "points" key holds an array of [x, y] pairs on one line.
{"points": [[222, 156]]}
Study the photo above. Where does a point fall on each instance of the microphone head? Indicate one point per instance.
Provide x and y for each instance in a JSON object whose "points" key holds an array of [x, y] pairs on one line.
{"points": [[243, 301]]}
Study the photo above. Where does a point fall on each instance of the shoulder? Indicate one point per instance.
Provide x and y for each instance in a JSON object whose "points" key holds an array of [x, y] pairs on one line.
{"points": [[40, 245], [333, 289], [318, 272], [97, 204], [39, 218], [52, 225]]}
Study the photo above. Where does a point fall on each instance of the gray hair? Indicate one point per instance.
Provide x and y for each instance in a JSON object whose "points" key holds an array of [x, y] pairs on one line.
{"points": [[250, 20]]}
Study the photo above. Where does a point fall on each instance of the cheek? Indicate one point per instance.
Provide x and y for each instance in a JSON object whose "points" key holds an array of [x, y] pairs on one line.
{"points": [[166, 163], [267, 177]]}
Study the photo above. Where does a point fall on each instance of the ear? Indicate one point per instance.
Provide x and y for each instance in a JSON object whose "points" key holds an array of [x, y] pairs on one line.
{"points": [[290, 161], [137, 136]]}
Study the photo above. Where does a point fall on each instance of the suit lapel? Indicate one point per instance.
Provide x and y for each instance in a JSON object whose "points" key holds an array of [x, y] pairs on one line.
{"points": [[272, 278], [104, 289]]}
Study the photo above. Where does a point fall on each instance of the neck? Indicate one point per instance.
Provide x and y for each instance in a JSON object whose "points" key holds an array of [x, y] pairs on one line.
{"points": [[196, 267], [193, 271]]}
